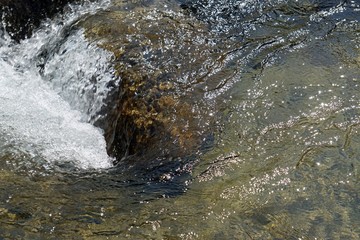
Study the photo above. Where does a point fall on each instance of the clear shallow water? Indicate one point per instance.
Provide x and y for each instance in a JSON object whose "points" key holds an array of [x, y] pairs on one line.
{"points": [[284, 162]]}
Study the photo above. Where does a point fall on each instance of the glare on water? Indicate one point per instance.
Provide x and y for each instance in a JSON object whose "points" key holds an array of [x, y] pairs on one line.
{"points": [[283, 161]]}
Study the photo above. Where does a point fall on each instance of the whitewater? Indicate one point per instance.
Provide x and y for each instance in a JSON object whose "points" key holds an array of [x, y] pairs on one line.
{"points": [[52, 88]]}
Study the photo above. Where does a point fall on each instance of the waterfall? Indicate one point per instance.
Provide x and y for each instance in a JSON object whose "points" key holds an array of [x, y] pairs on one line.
{"points": [[52, 87]]}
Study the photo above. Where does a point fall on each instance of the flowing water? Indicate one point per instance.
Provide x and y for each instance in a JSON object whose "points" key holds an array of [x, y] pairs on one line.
{"points": [[48, 98], [284, 158]]}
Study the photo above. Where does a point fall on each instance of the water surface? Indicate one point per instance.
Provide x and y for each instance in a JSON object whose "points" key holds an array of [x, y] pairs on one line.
{"points": [[283, 161]]}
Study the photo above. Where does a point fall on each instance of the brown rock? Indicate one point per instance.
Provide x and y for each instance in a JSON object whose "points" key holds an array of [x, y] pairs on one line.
{"points": [[163, 58]]}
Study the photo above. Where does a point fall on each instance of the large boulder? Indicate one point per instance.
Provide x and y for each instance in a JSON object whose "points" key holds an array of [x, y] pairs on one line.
{"points": [[164, 59], [20, 17]]}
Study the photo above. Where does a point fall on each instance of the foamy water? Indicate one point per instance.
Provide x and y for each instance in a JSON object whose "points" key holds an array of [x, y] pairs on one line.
{"points": [[52, 85]]}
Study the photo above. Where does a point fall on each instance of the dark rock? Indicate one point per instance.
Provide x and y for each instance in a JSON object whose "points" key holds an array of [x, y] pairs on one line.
{"points": [[21, 17]]}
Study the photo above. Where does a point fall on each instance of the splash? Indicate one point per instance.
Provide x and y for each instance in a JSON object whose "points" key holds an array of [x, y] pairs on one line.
{"points": [[53, 85]]}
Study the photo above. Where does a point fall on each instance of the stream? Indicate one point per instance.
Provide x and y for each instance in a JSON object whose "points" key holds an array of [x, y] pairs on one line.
{"points": [[279, 81]]}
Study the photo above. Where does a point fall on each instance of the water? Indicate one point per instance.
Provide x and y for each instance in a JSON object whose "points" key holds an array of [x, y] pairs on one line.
{"points": [[281, 80], [53, 86]]}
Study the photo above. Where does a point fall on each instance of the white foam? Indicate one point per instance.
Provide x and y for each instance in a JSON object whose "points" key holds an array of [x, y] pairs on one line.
{"points": [[80, 74], [43, 115]]}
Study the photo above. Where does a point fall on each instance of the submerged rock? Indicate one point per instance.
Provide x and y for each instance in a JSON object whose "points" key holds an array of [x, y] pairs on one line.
{"points": [[174, 59], [21, 17], [163, 59]]}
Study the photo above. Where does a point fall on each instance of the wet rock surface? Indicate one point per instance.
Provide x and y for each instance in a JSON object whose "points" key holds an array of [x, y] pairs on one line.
{"points": [[21, 17], [175, 58], [163, 59]]}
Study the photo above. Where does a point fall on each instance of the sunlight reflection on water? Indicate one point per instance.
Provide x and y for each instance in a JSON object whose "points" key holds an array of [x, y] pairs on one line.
{"points": [[285, 158]]}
